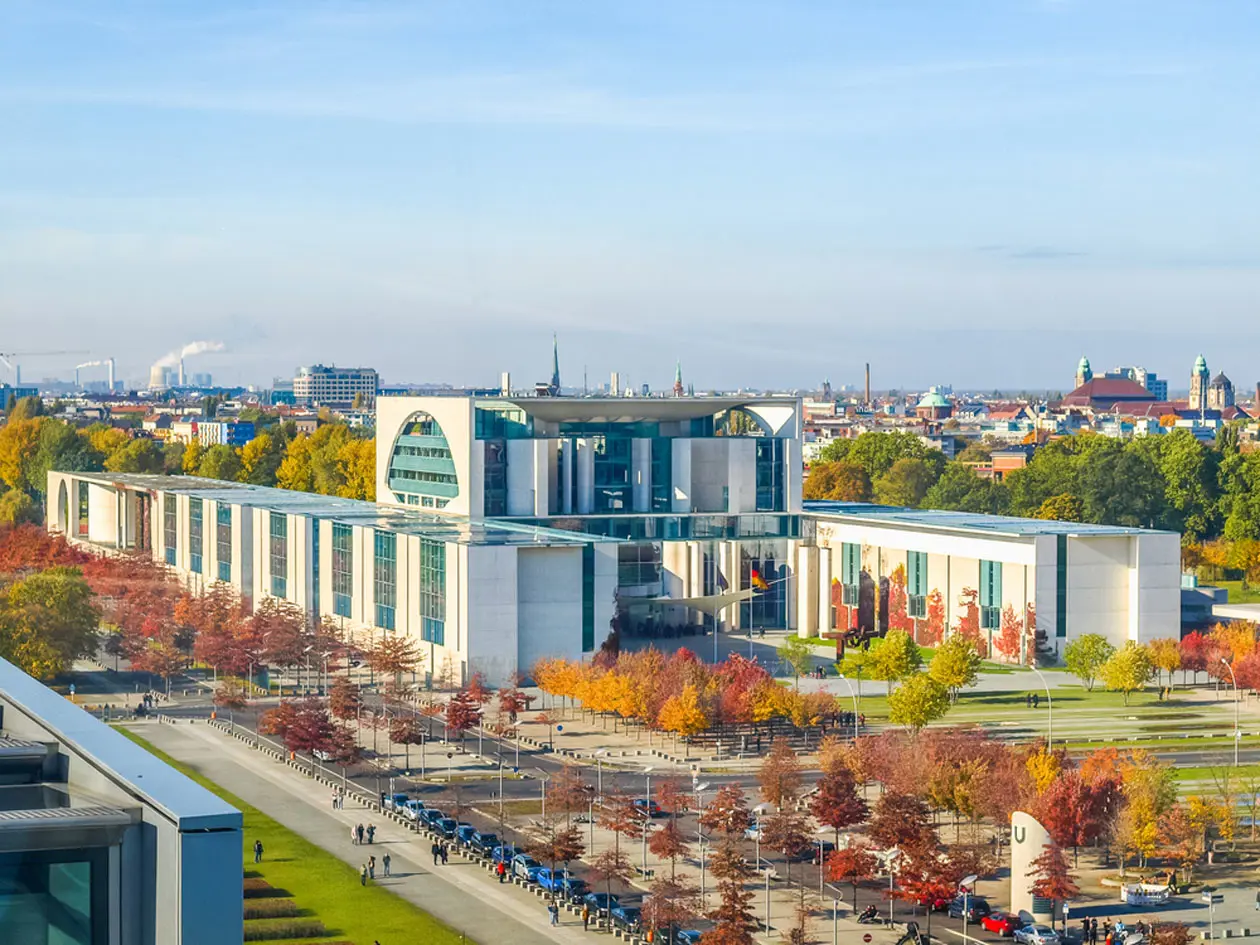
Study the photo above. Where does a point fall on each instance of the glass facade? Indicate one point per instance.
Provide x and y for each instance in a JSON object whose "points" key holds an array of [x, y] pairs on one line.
{"points": [[990, 595], [278, 553], [83, 510], [916, 583], [433, 591], [495, 478], [850, 572], [170, 526], [342, 568], [223, 540], [662, 474], [768, 608], [612, 475], [421, 466], [639, 564], [196, 546], [501, 422], [55, 897], [588, 598], [385, 577], [771, 469], [315, 611], [1060, 586]]}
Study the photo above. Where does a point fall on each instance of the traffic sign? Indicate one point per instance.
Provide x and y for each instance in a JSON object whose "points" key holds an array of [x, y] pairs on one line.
{"points": [[866, 937], [1213, 897]]}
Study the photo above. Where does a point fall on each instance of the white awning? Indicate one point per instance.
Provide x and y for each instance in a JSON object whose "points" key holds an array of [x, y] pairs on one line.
{"points": [[711, 604]]}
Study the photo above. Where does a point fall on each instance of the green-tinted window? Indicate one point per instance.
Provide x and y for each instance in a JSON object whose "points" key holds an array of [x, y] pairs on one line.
{"points": [[850, 572], [195, 546], [83, 510], [662, 474], [223, 540], [638, 564], [916, 583], [588, 598], [770, 467], [990, 594], [170, 525], [385, 577], [279, 554], [612, 475], [433, 591], [1060, 587], [342, 568]]}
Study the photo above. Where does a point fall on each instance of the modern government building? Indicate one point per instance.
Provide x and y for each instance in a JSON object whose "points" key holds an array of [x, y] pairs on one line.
{"points": [[510, 528]]}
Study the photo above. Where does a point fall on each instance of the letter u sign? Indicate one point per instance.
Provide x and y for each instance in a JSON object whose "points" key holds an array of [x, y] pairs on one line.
{"points": [[1020, 833]]}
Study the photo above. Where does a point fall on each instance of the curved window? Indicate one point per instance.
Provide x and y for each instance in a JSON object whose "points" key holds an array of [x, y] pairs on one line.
{"points": [[421, 467], [63, 508]]}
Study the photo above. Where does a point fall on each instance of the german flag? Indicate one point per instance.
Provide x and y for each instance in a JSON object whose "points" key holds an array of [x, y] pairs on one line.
{"points": [[758, 582]]}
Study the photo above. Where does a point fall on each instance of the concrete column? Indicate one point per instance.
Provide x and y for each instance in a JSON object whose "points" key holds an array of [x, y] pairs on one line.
{"points": [[567, 449], [585, 476], [807, 590], [681, 459], [823, 587], [641, 474]]}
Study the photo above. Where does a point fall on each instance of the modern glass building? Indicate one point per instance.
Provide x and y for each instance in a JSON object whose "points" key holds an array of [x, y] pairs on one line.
{"points": [[703, 492], [100, 842], [489, 596]]}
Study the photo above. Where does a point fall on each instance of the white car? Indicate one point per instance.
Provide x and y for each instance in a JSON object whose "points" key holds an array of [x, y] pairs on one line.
{"points": [[411, 810], [1036, 935]]}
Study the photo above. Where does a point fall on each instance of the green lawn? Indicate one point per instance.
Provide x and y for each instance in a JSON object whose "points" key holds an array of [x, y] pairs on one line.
{"points": [[1239, 594], [1209, 773], [320, 882], [927, 653], [1070, 700]]}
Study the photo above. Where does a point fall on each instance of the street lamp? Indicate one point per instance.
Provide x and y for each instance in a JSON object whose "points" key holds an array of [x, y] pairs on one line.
{"points": [[965, 884], [1049, 709], [697, 788], [853, 693], [599, 773], [757, 810], [1234, 679], [647, 814], [543, 778]]}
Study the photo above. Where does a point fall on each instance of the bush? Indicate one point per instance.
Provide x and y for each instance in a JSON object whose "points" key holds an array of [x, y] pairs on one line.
{"points": [[254, 888], [271, 909], [265, 930]]}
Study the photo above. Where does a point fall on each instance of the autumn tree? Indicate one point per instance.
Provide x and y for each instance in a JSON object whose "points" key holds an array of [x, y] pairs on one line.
{"points": [[1053, 879], [611, 864], [345, 700], [839, 481], [1085, 656], [568, 793], [683, 714], [786, 831], [1165, 655], [918, 701], [406, 730], [393, 655], [796, 655], [900, 820], [668, 844], [780, 775], [895, 658], [1127, 671], [558, 844], [670, 902], [1010, 636], [854, 864], [462, 714], [231, 694], [956, 666], [47, 621], [836, 802]]}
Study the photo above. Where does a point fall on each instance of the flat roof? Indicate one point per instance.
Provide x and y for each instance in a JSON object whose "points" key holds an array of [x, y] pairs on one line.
{"points": [[140, 774], [601, 409], [963, 522], [400, 519]]}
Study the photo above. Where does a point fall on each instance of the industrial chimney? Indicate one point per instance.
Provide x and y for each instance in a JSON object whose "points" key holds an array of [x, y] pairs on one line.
{"points": [[181, 373], [110, 362], [868, 383]]}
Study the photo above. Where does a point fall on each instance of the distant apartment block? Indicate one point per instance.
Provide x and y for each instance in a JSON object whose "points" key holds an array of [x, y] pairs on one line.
{"points": [[320, 386]]}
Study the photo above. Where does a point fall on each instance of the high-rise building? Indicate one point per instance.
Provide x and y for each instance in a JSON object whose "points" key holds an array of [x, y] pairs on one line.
{"points": [[320, 386]]}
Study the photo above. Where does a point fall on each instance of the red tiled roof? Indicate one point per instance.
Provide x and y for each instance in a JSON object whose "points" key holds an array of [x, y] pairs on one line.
{"points": [[1107, 390]]}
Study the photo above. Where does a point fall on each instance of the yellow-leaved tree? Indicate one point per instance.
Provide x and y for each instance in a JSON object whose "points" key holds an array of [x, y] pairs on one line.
{"points": [[683, 714]]}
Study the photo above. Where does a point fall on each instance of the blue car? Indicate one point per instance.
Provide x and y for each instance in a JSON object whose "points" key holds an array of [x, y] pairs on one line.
{"points": [[411, 810], [394, 801], [600, 902], [687, 937], [626, 917], [561, 881], [431, 815], [464, 833], [504, 853], [483, 842], [447, 827], [526, 867]]}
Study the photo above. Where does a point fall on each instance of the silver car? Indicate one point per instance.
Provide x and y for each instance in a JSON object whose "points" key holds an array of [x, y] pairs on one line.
{"points": [[1036, 935]]}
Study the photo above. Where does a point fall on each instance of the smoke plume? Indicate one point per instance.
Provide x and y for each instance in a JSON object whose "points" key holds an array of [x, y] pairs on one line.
{"points": [[193, 347]]}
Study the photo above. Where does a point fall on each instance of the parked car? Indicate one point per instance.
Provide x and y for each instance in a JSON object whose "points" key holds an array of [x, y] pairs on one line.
{"points": [[645, 805], [573, 889], [977, 908], [687, 937], [431, 815], [753, 832], [464, 834], [557, 881], [937, 904], [626, 917], [483, 842], [504, 853], [394, 801], [526, 867], [1002, 923], [1036, 935], [600, 902], [411, 810], [446, 826]]}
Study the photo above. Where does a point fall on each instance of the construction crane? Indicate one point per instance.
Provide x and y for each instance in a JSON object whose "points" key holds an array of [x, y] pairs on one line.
{"points": [[5, 356]]}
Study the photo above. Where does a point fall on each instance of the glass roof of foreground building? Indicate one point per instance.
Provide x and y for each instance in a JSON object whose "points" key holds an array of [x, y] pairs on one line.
{"points": [[403, 520], [939, 520]]}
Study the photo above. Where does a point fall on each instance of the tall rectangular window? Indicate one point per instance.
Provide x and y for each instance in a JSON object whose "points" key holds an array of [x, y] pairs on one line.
{"points": [[1060, 586], [769, 472], [433, 591], [196, 548], [83, 510], [170, 526], [612, 474], [588, 598], [662, 474], [916, 583], [385, 577], [850, 572], [223, 540], [990, 595], [315, 611], [278, 554], [342, 568]]}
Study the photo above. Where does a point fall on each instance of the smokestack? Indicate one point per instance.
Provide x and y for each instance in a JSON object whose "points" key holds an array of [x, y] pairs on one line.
{"points": [[17, 374], [77, 385], [505, 384], [181, 373], [110, 362], [868, 383]]}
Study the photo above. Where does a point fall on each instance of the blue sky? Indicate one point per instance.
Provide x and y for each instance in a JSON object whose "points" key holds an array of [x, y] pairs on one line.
{"points": [[775, 192]]}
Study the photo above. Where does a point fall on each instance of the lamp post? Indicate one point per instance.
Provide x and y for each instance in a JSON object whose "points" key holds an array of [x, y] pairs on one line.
{"points": [[965, 884], [700, 839], [647, 813], [1234, 680], [757, 810], [1049, 709], [543, 778], [599, 773], [853, 693]]}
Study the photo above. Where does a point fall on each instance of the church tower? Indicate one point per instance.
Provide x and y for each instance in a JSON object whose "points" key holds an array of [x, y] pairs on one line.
{"points": [[1083, 372], [1199, 384], [678, 384]]}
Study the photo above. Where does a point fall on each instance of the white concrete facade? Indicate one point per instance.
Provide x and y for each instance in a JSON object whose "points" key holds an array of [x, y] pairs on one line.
{"points": [[500, 599]]}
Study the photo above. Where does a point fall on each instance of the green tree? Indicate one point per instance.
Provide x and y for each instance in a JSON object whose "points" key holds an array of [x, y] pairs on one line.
{"points": [[894, 658], [839, 481], [220, 462], [905, 483], [138, 456], [172, 458], [261, 458], [1064, 507], [917, 701], [1128, 670], [48, 620], [191, 457], [28, 408], [796, 654], [960, 489], [59, 447], [1085, 656], [17, 508], [1189, 470], [956, 665], [877, 452]]}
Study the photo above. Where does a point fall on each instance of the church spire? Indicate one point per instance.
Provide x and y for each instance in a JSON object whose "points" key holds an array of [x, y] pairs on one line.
{"points": [[678, 384], [555, 364]]}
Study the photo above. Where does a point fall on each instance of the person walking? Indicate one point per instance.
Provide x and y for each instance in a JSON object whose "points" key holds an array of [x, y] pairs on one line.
{"points": [[1093, 931], [360, 831], [354, 836], [501, 870], [446, 851], [363, 875], [385, 863], [371, 867], [371, 832], [586, 917], [436, 851], [334, 799], [554, 911], [258, 851]]}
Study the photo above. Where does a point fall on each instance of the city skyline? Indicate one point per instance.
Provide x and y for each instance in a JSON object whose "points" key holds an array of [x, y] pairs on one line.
{"points": [[774, 196]]}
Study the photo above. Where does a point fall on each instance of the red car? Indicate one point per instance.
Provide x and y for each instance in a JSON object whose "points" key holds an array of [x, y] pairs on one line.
{"points": [[939, 904], [1002, 923]]}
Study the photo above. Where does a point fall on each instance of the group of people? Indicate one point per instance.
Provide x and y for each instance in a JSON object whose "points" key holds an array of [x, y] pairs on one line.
{"points": [[441, 851], [368, 870], [1111, 934], [339, 799], [359, 834]]}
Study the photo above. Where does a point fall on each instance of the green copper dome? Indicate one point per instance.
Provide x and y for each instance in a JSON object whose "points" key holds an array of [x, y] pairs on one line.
{"points": [[933, 398], [1083, 367], [1200, 366]]}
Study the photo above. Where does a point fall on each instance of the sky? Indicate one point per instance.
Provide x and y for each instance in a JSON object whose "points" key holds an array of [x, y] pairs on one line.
{"points": [[772, 192]]}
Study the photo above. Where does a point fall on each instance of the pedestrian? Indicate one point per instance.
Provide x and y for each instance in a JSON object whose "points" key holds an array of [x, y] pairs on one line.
{"points": [[446, 851], [371, 832], [334, 799], [363, 875], [354, 836], [554, 911], [586, 917], [257, 851], [436, 851], [1093, 931], [385, 863], [371, 867], [501, 871], [1084, 931], [360, 831]]}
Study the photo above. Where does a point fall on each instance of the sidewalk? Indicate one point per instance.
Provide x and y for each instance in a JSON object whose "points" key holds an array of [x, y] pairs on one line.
{"points": [[461, 894]]}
